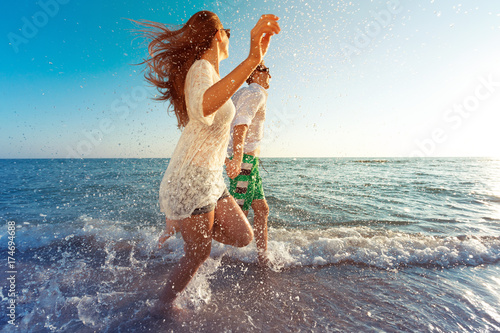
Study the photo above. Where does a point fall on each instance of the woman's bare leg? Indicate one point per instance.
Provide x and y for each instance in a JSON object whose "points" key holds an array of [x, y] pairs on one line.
{"points": [[171, 227], [197, 234], [227, 224], [231, 226]]}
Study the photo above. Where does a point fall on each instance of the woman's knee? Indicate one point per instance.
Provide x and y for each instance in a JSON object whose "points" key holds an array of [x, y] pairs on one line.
{"points": [[245, 238]]}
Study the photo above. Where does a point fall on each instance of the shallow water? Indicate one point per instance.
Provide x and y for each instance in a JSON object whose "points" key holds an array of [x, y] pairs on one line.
{"points": [[366, 245]]}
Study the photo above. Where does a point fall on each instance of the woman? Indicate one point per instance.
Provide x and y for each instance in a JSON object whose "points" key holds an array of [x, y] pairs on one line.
{"points": [[184, 66]]}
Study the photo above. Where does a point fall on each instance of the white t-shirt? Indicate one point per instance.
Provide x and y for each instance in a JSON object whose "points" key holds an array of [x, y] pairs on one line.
{"points": [[250, 103], [194, 175]]}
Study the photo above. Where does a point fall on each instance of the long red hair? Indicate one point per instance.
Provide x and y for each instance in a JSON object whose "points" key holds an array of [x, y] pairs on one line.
{"points": [[171, 54]]}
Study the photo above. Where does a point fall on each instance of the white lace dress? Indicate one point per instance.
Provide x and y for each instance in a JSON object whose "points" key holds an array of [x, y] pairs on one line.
{"points": [[194, 175]]}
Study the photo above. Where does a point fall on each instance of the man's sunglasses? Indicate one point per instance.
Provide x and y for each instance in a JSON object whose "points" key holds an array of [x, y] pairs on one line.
{"points": [[262, 69]]}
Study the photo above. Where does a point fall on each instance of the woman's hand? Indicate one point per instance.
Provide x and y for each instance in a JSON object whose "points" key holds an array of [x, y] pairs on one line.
{"points": [[260, 36], [233, 168]]}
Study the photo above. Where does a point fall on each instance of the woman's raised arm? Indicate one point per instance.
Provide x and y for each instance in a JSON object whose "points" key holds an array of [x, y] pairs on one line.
{"points": [[221, 92]]}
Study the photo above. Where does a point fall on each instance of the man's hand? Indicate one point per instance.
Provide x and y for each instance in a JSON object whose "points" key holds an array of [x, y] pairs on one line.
{"points": [[233, 168]]}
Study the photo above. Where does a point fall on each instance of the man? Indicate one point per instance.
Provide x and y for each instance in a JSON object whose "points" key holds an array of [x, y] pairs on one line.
{"points": [[244, 147]]}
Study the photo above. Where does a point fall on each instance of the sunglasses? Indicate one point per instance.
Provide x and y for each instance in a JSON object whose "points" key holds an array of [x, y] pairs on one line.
{"points": [[262, 69], [228, 32]]}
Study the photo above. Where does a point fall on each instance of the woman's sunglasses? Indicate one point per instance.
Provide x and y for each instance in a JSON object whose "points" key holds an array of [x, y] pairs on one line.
{"points": [[228, 32]]}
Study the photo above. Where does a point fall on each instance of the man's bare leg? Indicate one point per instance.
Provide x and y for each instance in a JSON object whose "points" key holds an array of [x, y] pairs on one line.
{"points": [[261, 213]]}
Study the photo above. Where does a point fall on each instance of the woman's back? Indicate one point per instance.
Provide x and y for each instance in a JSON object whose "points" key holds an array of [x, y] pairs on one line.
{"points": [[194, 175]]}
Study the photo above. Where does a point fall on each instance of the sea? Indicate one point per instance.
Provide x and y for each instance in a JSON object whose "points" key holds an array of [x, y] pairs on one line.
{"points": [[355, 245]]}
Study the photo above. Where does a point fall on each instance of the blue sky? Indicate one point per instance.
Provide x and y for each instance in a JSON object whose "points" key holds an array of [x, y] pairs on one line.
{"points": [[371, 79]]}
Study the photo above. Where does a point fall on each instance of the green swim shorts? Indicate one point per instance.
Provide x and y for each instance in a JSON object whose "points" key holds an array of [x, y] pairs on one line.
{"points": [[247, 186]]}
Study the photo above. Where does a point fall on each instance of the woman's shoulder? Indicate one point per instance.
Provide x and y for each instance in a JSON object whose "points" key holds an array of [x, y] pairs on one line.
{"points": [[201, 71], [202, 65]]}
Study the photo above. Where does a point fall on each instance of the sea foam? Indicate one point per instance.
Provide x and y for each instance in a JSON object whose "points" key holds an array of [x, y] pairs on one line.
{"points": [[363, 245]]}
